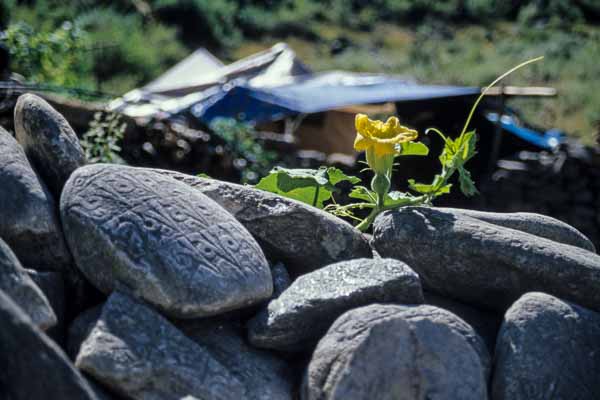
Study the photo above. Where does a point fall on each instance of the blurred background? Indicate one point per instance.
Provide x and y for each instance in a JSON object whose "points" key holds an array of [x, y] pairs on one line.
{"points": [[85, 55]]}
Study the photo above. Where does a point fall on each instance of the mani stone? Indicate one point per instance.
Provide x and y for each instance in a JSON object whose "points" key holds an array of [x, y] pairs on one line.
{"points": [[485, 264], [16, 283], [304, 238], [28, 222], [547, 348], [536, 224], [33, 366], [264, 375], [379, 352], [139, 354], [300, 316], [49, 141], [162, 241]]}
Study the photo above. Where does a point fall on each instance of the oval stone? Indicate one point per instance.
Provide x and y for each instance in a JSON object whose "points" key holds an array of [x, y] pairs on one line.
{"points": [[161, 240]]}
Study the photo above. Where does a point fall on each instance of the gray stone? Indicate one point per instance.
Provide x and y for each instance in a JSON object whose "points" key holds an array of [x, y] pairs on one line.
{"points": [[536, 224], [28, 221], [48, 140], [484, 322], [162, 240], [381, 352], [137, 353], [298, 318], [265, 376], [33, 366], [281, 279], [80, 329], [547, 349], [485, 264], [15, 282], [303, 237], [52, 285]]}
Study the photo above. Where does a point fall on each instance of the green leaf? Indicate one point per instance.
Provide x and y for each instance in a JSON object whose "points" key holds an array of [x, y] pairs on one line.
{"points": [[413, 149], [362, 193], [398, 199], [310, 186], [203, 175], [467, 186], [436, 188]]}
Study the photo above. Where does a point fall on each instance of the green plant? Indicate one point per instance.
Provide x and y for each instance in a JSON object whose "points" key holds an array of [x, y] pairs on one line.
{"points": [[101, 141], [383, 143]]}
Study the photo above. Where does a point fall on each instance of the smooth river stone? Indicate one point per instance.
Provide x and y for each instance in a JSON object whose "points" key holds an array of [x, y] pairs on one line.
{"points": [[161, 241]]}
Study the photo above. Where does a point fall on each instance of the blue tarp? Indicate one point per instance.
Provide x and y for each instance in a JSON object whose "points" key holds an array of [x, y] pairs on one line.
{"points": [[548, 140], [313, 94]]}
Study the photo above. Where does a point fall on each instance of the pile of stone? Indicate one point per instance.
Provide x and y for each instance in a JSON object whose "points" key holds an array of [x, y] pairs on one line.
{"points": [[119, 282]]}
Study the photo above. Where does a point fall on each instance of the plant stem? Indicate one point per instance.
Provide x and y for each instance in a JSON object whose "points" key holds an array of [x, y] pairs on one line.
{"points": [[316, 198]]}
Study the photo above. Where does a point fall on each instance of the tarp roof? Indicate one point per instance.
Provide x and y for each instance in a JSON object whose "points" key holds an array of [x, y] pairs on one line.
{"points": [[315, 93]]}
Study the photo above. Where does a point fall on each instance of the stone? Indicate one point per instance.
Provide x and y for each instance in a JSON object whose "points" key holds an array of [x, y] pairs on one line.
{"points": [[34, 367], [29, 224], [547, 349], [49, 141], [298, 318], [80, 329], [264, 375], [484, 264], [162, 241], [15, 282], [536, 224], [52, 285], [304, 238], [380, 352], [137, 353], [484, 322], [281, 279]]}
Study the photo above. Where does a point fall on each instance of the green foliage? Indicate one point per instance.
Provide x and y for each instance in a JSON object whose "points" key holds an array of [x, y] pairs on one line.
{"points": [[101, 141], [310, 186], [54, 57], [250, 157]]}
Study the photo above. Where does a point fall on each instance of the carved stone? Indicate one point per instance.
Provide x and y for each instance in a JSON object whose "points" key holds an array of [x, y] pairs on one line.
{"points": [[48, 140], [17, 284], [139, 354], [300, 316], [28, 221], [162, 241], [303, 237]]}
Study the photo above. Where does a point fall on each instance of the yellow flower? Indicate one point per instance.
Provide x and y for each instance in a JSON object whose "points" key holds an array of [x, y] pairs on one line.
{"points": [[383, 137], [380, 140]]}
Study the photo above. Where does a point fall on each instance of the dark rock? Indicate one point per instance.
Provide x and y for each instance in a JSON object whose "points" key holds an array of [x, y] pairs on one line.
{"points": [[547, 349], [378, 352], [136, 352], [48, 140], [265, 376], [80, 329], [34, 367], [298, 318], [28, 224], [303, 237], [485, 264], [52, 285], [281, 279], [162, 240], [15, 282], [536, 224], [485, 323]]}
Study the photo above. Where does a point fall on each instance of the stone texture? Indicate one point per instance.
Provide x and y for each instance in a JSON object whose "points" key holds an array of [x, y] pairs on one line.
{"points": [[298, 318], [303, 237], [48, 140], [33, 366], [485, 323], [281, 279], [547, 349], [136, 352], [485, 264], [53, 287], [15, 282], [265, 376], [28, 221], [80, 329], [536, 224], [380, 352], [162, 240]]}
